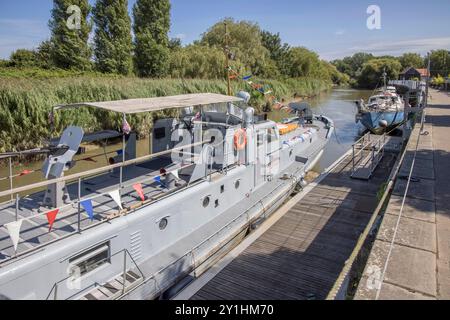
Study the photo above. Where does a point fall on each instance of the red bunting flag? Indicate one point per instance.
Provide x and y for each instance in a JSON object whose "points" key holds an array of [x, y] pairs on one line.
{"points": [[89, 160], [25, 172], [140, 191], [51, 217]]}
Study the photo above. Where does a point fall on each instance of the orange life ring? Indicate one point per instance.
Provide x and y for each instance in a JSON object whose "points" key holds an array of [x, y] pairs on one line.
{"points": [[240, 139]]}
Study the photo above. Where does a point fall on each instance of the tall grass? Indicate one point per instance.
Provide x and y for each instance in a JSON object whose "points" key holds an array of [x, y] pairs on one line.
{"points": [[26, 102]]}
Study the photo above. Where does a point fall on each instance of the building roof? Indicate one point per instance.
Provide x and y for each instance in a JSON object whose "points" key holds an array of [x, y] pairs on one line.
{"points": [[422, 71], [133, 106]]}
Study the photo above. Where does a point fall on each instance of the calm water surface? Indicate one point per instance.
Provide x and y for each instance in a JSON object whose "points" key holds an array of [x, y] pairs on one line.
{"points": [[338, 105]]}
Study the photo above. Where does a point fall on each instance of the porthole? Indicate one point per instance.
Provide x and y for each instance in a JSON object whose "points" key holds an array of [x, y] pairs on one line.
{"points": [[291, 153], [163, 224], [237, 184], [206, 202]]}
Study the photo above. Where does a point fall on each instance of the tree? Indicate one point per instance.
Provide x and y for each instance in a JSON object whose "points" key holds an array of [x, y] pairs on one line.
{"points": [[196, 61], [70, 30], [302, 63], [113, 43], [354, 64], [151, 28], [245, 43], [24, 58], [175, 44], [413, 60], [372, 72], [440, 62], [44, 54], [278, 51]]}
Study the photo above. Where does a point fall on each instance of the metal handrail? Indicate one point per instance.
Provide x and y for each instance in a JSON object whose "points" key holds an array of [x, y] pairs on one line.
{"points": [[54, 288]]}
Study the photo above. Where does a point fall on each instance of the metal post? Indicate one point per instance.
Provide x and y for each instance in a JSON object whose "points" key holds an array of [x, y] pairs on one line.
{"points": [[124, 270], [11, 178], [55, 296], [353, 160], [17, 207], [79, 205], [123, 155], [227, 58]]}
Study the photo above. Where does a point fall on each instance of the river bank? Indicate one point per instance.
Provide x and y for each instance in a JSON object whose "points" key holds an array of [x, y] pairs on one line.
{"points": [[26, 103]]}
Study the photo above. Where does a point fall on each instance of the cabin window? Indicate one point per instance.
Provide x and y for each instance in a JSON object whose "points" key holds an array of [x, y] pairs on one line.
{"points": [[163, 224], [90, 260], [216, 203], [260, 139], [271, 136], [160, 133], [222, 189], [206, 202], [237, 184]]}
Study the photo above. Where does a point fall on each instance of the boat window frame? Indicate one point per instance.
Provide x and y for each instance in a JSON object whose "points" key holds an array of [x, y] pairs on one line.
{"points": [[89, 254]]}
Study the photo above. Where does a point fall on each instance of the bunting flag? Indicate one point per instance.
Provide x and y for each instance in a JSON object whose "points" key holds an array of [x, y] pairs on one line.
{"points": [[247, 77], [267, 92], [51, 217], [90, 160], [233, 77], [126, 128], [119, 152], [115, 195], [140, 191], [25, 172], [87, 206], [175, 173], [14, 232]]}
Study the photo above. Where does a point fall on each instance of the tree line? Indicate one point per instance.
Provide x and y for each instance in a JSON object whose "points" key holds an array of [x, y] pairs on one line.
{"points": [[150, 53], [365, 70]]}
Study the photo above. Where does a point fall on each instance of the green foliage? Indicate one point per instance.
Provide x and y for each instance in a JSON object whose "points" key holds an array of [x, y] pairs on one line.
{"points": [[175, 44], [245, 43], [440, 62], [44, 54], [411, 60], [353, 65], [151, 28], [438, 81], [26, 102], [278, 51], [70, 48], [372, 72], [113, 43], [196, 61], [24, 58]]}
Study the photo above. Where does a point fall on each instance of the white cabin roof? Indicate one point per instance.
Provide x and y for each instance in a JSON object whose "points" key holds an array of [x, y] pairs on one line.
{"points": [[133, 106]]}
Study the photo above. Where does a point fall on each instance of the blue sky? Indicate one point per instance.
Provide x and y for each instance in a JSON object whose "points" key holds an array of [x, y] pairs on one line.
{"points": [[331, 28]]}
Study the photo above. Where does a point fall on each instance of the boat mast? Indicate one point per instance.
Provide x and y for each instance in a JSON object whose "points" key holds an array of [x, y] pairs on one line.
{"points": [[227, 57], [384, 78]]}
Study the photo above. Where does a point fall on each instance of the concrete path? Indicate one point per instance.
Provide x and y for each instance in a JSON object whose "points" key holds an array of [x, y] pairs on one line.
{"points": [[417, 265]]}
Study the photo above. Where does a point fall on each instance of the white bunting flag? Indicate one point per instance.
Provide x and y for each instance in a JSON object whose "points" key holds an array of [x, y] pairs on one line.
{"points": [[115, 195], [175, 173], [14, 232]]}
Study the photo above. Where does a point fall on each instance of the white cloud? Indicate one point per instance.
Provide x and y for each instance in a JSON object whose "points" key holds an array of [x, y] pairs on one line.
{"points": [[340, 32], [180, 36], [421, 46]]}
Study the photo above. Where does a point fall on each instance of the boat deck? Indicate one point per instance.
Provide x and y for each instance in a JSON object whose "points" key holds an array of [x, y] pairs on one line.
{"points": [[35, 228], [301, 250]]}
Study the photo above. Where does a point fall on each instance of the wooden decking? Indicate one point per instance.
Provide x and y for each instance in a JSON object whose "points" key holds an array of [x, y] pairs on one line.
{"points": [[302, 254]]}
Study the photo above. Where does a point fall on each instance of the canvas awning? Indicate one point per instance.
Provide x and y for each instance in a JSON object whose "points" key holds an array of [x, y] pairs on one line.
{"points": [[155, 104]]}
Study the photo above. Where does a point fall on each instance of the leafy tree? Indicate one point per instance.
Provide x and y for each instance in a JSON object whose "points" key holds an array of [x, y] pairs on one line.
{"points": [[151, 28], [113, 43], [411, 60], [372, 72], [175, 44], [245, 43], [70, 43], [440, 62], [302, 62], [278, 51], [44, 54], [196, 61], [354, 64], [24, 58]]}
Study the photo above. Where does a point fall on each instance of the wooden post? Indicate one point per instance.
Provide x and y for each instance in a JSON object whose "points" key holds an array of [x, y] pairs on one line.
{"points": [[79, 205], [11, 178]]}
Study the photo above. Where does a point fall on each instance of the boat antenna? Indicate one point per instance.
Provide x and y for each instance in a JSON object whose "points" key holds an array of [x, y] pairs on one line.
{"points": [[384, 78], [227, 57]]}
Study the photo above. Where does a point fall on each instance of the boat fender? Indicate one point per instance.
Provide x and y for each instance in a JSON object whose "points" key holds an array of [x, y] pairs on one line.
{"points": [[240, 139]]}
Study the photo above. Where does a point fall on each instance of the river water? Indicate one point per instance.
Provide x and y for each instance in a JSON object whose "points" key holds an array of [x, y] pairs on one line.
{"points": [[337, 104]]}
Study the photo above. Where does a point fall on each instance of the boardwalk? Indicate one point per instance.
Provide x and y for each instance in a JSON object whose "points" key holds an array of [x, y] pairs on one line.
{"points": [[418, 266], [301, 255]]}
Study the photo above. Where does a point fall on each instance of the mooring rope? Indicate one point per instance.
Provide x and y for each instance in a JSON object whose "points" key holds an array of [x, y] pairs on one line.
{"points": [[391, 247]]}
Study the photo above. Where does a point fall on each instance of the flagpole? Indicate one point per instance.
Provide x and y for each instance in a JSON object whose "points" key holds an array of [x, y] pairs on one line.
{"points": [[227, 57]]}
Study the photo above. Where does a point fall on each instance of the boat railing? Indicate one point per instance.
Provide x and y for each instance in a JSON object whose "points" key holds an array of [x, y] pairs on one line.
{"points": [[127, 259], [77, 203], [192, 253], [370, 153]]}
